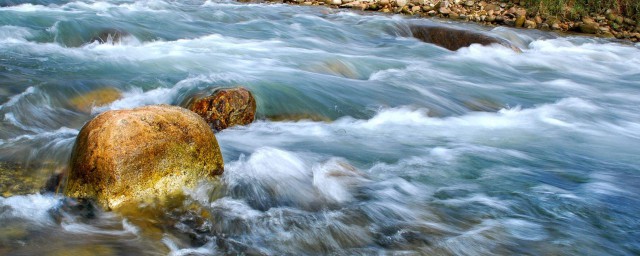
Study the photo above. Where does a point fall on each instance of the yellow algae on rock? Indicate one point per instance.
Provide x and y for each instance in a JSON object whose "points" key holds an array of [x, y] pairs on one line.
{"points": [[146, 155]]}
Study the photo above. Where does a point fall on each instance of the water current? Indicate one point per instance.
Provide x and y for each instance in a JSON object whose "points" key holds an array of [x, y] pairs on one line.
{"points": [[367, 141]]}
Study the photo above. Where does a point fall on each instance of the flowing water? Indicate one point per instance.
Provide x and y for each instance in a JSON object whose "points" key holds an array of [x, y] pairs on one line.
{"points": [[367, 141]]}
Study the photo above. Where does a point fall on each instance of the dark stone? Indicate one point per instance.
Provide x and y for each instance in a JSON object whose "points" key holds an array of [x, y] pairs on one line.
{"points": [[454, 39]]}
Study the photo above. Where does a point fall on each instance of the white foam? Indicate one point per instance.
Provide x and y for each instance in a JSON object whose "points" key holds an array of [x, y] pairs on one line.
{"points": [[207, 249], [604, 184], [284, 175], [31, 8], [16, 98], [236, 208], [136, 97], [336, 179], [478, 199], [62, 131], [14, 34], [30, 207], [81, 228], [525, 230]]}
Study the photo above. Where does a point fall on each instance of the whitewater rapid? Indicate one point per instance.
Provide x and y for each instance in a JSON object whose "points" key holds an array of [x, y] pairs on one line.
{"points": [[383, 144]]}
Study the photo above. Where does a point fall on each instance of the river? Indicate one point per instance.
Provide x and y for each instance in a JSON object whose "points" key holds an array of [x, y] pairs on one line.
{"points": [[367, 141]]}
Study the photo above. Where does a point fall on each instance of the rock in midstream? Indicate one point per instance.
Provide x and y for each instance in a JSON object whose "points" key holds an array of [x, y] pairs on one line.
{"points": [[145, 155], [225, 107], [454, 39]]}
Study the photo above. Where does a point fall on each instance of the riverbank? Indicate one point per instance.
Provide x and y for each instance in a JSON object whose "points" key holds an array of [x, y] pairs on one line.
{"points": [[606, 23]]}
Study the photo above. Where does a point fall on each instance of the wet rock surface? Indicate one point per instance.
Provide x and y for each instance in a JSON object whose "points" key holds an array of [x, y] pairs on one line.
{"points": [[145, 155], [454, 39], [96, 98], [225, 107]]}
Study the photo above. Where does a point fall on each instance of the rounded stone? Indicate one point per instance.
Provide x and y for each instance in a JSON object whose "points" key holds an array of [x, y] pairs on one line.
{"points": [[96, 98], [225, 107], [146, 155]]}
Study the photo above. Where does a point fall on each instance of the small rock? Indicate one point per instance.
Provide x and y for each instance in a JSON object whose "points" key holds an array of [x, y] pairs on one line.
{"points": [[619, 20], [469, 3], [438, 5], [604, 29], [401, 3], [510, 23], [492, 7], [405, 10], [491, 18], [589, 28], [426, 8], [538, 19], [384, 2], [530, 24], [555, 26], [519, 22], [444, 10], [416, 9], [545, 26], [587, 20], [629, 22], [225, 107]]}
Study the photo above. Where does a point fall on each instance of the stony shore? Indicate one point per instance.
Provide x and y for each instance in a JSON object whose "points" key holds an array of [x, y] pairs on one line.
{"points": [[511, 13]]}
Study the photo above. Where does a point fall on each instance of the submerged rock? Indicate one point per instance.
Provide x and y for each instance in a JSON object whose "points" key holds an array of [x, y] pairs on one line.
{"points": [[144, 155], [483, 105], [299, 117], [20, 180], [96, 98], [454, 39], [225, 107], [337, 68], [109, 36]]}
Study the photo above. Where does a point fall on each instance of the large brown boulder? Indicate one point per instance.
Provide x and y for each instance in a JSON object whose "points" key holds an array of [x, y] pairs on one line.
{"points": [[454, 39], [144, 155], [225, 107]]}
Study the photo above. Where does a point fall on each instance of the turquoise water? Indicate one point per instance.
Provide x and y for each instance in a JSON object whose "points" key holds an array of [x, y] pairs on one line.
{"points": [[404, 162]]}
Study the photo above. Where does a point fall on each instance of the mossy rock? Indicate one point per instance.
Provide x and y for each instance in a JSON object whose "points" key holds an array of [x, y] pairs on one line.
{"points": [[145, 156]]}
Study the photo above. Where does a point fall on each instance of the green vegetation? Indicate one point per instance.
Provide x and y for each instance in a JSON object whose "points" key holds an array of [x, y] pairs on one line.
{"points": [[573, 9]]}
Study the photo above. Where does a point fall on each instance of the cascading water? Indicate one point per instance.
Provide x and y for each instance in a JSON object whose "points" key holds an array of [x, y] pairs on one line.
{"points": [[367, 141]]}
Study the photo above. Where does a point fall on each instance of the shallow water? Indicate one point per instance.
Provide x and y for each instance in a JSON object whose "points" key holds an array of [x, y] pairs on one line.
{"points": [[399, 161]]}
